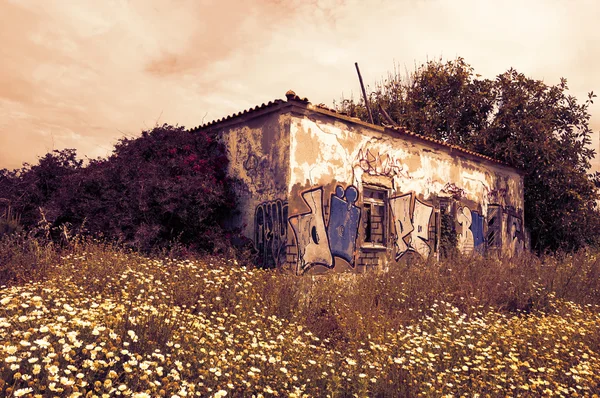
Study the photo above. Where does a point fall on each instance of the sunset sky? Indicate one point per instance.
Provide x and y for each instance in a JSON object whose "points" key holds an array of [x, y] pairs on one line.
{"points": [[81, 74]]}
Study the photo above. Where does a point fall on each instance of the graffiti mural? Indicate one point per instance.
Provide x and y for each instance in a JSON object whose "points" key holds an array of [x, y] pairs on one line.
{"points": [[270, 232], [380, 165], [311, 234], [344, 219], [466, 242], [454, 190], [477, 230], [420, 235], [320, 241], [412, 227], [516, 236], [401, 214]]}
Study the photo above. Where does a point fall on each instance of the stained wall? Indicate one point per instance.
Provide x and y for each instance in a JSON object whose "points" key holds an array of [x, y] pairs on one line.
{"points": [[258, 151], [320, 192], [363, 196]]}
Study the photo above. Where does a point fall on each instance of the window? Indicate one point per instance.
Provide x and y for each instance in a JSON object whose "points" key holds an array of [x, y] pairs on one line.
{"points": [[374, 216], [433, 232], [494, 227]]}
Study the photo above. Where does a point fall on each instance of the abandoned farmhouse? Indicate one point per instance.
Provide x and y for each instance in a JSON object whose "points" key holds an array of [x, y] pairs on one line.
{"points": [[322, 191]]}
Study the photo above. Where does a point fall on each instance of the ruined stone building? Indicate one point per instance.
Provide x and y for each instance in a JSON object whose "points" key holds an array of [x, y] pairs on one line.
{"points": [[322, 191]]}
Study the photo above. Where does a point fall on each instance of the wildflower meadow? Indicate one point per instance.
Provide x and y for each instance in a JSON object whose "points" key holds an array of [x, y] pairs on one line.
{"points": [[98, 321]]}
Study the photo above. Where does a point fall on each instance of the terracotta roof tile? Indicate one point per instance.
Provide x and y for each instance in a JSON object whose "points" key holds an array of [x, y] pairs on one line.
{"points": [[241, 113], [439, 142], [292, 96]]}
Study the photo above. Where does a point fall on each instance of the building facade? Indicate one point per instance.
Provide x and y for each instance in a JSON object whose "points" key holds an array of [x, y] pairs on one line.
{"points": [[320, 191]]}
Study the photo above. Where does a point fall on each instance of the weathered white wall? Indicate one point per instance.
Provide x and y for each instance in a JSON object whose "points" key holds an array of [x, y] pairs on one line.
{"points": [[322, 150], [301, 177], [328, 154]]}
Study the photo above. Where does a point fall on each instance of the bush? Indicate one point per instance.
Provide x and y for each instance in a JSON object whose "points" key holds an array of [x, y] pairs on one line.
{"points": [[10, 222], [167, 187], [25, 259], [36, 186]]}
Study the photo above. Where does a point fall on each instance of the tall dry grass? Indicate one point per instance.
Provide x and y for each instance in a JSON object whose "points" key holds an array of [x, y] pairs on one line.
{"points": [[96, 319]]}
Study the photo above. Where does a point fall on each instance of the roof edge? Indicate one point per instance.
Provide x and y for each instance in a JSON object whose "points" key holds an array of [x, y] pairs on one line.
{"points": [[402, 131], [303, 102]]}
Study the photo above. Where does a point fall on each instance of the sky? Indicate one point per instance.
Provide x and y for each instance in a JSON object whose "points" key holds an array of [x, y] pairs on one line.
{"points": [[82, 74]]}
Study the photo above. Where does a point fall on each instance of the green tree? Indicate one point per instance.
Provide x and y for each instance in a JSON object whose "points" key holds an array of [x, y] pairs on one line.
{"points": [[526, 123]]}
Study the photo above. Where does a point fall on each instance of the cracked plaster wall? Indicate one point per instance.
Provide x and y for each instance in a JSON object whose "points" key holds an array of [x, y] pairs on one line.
{"points": [[258, 151], [287, 162], [323, 149]]}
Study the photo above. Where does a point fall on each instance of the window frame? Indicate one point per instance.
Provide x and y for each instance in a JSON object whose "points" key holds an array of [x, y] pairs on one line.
{"points": [[384, 203]]}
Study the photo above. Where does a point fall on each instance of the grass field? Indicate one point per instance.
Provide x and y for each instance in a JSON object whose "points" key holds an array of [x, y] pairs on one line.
{"points": [[95, 320]]}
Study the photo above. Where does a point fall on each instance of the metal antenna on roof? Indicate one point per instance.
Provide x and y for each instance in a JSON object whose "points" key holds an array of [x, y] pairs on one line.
{"points": [[362, 86]]}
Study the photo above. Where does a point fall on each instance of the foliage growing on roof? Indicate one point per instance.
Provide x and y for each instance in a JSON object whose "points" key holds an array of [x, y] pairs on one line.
{"points": [[526, 123]]}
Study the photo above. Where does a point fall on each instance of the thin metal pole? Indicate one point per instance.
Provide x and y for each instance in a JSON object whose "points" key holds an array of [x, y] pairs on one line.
{"points": [[362, 86]]}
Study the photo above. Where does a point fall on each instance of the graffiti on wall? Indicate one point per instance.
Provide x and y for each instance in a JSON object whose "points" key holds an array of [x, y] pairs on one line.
{"points": [[515, 234], [402, 216], [412, 225], [270, 232], [320, 242], [310, 231], [420, 236], [453, 190], [380, 165], [344, 219], [255, 164]]}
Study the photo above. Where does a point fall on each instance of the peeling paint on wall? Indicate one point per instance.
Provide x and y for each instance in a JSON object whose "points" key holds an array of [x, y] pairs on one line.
{"points": [[321, 193], [418, 176], [258, 152]]}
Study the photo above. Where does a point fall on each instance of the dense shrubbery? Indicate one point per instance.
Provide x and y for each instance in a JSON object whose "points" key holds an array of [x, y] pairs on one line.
{"points": [[169, 185]]}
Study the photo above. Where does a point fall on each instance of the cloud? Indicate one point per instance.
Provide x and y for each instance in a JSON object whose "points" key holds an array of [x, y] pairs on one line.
{"points": [[82, 74]]}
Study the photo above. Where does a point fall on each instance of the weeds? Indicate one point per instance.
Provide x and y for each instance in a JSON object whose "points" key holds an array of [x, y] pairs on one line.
{"points": [[101, 320]]}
